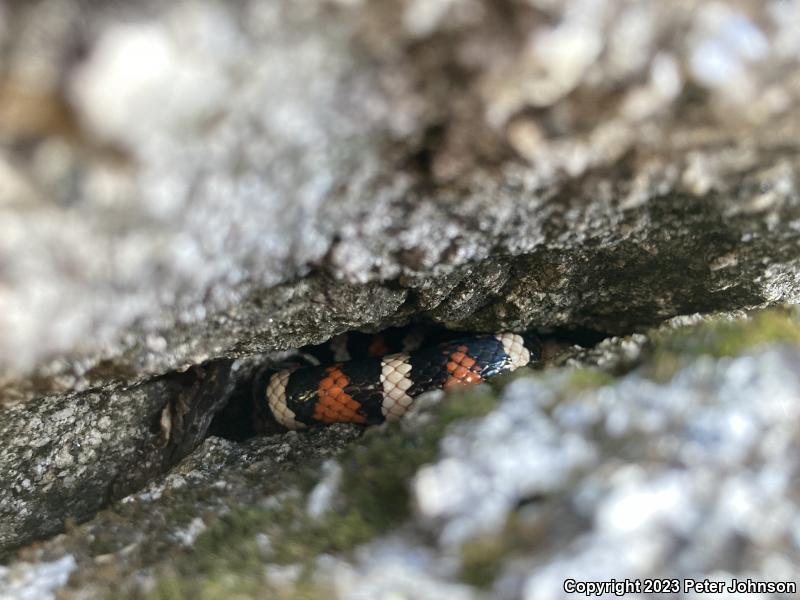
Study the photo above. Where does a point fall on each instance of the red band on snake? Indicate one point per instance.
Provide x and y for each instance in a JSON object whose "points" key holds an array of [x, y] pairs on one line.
{"points": [[375, 389]]}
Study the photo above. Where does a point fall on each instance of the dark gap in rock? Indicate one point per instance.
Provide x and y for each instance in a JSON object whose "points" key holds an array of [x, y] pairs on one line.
{"points": [[241, 417], [421, 160], [581, 336]]}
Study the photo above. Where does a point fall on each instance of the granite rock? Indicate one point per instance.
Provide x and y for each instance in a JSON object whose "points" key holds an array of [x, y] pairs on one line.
{"points": [[201, 185], [208, 180], [572, 472]]}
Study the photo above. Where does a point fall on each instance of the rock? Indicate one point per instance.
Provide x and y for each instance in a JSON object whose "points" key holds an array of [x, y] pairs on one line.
{"points": [[170, 513], [35, 581], [271, 163], [684, 472], [206, 185], [66, 456]]}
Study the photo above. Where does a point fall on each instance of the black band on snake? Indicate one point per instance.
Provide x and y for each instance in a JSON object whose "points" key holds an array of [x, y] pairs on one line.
{"points": [[372, 390]]}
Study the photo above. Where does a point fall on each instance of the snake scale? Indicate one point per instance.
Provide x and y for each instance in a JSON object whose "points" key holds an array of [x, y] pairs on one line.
{"points": [[383, 385]]}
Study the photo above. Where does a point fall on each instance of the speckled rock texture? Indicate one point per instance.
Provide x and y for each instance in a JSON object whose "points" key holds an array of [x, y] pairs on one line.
{"points": [[186, 188], [211, 179], [64, 457], [685, 466], [167, 515]]}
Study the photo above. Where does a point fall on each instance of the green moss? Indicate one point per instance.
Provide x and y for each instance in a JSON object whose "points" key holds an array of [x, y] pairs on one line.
{"points": [[227, 561], [376, 471], [588, 379], [718, 338], [468, 403], [481, 560], [231, 585], [304, 538]]}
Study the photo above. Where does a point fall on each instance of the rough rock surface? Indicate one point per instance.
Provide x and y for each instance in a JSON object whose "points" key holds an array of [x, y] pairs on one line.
{"points": [[582, 163], [686, 466], [66, 456], [187, 188], [167, 516]]}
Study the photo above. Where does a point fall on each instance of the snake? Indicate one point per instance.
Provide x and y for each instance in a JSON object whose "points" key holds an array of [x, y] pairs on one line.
{"points": [[382, 386]]}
